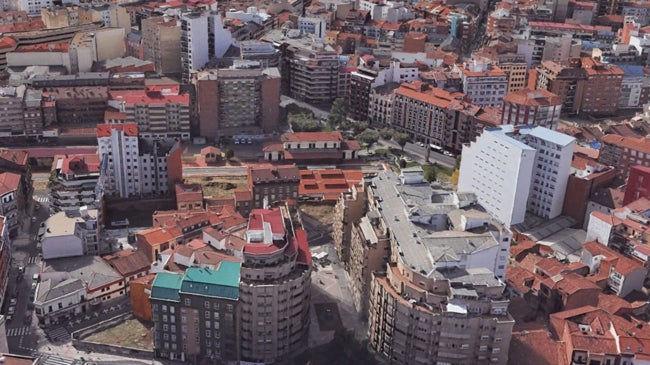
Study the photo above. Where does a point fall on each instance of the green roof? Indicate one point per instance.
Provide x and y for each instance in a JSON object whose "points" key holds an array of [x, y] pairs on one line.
{"points": [[222, 282], [166, 286]]}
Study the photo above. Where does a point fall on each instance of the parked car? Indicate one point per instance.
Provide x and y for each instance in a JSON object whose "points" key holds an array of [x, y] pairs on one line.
{"points": [[13, 302], [21, 269], [11, 310]]}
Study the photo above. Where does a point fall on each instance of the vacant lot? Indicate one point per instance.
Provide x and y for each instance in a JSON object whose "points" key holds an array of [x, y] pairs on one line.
{"points": [[131, 333], [323, 213], [218, 186]]}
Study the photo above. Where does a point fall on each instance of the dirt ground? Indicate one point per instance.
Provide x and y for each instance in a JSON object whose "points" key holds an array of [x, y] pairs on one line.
{"points": [[218, 187], [131, 333], [324, 213]]}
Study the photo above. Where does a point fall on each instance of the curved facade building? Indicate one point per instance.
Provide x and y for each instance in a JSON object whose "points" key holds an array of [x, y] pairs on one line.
{"points": [[275, 288]]}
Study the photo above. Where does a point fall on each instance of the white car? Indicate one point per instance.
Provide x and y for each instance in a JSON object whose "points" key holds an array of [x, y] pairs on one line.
{"points": [[421, 144], [11, 310], [13, 302]]}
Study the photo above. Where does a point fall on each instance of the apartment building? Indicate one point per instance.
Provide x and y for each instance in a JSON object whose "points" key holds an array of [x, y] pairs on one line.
{"points": [[439, 297], [512, 64], [273, 184], [349, 209], [72, 233], [310, 71], [60, 16], [194, 43], [195, 314], [484, 83], [631, 86], [76, 177], [275, 288], [189, 197], [514, 170], [17, 161], [12, 111], [585, 84], [112, 15], [380, 105], [531, 107], [79, 105], [436, 116], [623, 152], [565, 81], [12, 201], [602, 91], [159, 111], [623, 275], [238, 101], [264, 282], [137, 166], [160, 43]]}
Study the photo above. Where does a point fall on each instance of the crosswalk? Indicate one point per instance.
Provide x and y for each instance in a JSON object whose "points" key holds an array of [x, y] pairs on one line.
{"points": [[58, 334], [42, 199], [18, 331], [32, 260]]}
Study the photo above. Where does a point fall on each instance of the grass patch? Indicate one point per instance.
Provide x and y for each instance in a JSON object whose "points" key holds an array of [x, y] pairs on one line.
{"points": [[217, 186], [323, 213], [297, 109], [131, 333]]}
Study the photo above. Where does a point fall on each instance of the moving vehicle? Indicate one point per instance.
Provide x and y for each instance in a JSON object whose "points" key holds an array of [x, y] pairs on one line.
{"points": [[436, 148]]}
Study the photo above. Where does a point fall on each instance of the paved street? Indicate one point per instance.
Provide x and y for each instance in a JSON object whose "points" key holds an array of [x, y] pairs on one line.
{"points": [[418, 153]]}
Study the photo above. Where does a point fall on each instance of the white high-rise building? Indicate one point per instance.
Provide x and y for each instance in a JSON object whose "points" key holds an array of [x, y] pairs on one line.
{"points": [[517, 169], [133, 166], [195, 50]]}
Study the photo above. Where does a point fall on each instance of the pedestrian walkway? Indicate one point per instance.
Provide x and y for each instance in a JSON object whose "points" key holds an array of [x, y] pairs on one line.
{"points": [[58, 334], [32, 260], [18, 331], [42, 199]]}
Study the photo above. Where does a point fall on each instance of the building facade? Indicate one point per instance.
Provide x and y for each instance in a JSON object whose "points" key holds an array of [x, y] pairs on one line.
{"points": [[75, 182], [484, 83], [624, 152], [134, 166], [160, 43], [513, 170], [531, 107], [238, 101]]}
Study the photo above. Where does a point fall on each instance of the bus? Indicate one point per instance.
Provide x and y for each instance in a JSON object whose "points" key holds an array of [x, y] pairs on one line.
{"points": [[436, 148]]}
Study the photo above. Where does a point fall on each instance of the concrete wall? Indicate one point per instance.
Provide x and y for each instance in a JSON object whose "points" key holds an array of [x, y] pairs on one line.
{"points": [[62, 246], [110, 43]]}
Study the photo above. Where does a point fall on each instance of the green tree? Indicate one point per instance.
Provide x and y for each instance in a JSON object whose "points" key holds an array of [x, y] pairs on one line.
{"points": [[52, 179], [228, 154], [386, 133], [401, 138], [368, 137], [359, 127], [430, 175], [402, 163], [458, 160], [303, 123], [338, 113]]}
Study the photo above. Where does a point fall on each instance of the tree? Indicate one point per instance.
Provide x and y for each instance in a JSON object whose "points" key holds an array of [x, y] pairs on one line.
{"points": [[228, 154], [359, 127], [369, 137], [386, 133], [458, 160], [430, 175], [52, 179], [401, 138], [303, 123], [402, 163], [338, 113]]}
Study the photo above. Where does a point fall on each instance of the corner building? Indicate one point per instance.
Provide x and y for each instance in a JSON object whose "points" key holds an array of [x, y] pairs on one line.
{"points": [[275, 288]]}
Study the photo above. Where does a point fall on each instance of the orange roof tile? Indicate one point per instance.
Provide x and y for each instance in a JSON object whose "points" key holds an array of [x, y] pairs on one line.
{"points": [[130, 129]]}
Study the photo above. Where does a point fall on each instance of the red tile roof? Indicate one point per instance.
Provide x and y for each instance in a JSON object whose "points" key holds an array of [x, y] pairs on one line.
{"points": [[536, 346], [273, 217], [18, 157], [9, 182], [80, 164], [329, 184], [638, 144], [130, 129], [304, 255], [128, 262], [312, 137]]}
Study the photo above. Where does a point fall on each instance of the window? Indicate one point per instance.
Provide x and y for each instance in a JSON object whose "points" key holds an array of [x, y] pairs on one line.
{"points": [[188, 301]]}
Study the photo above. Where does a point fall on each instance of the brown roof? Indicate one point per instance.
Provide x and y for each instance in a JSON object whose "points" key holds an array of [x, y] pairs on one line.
{"points": [[536, 347], [312, 136], [18, 157], [9, 182], [128, 262], [188, 192], [534, 98], [639, 144]]}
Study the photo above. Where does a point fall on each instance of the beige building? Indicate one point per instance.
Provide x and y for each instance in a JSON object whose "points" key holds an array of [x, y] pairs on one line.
{"points": [[11, 111], [60, 16], [100, 45], [516, 70], [350, 207], [439, 299], [161, 44], [113, 16]]}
